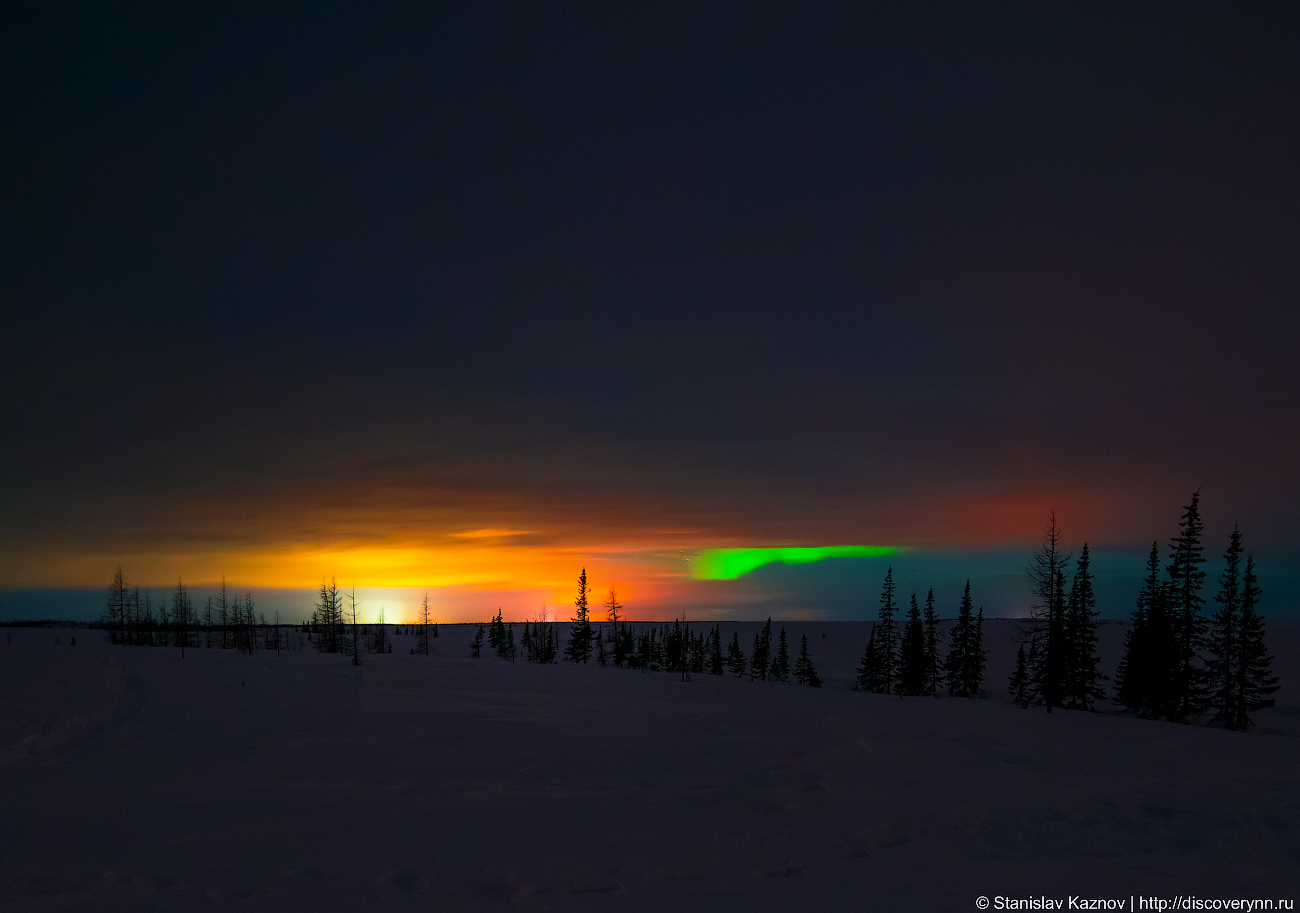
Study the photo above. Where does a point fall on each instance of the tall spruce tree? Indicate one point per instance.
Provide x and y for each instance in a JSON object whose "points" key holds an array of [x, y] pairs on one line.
{"points": [[1142, 671], [1187, 622], [182, 615], [1255, 682], [1044, 629], [976, 658], [869, 670], [1224, 643], [422, 629], [327, 619], [911, 653], [116, 610], [933, 662], [578, 650], [715, 651], [804, 673], [736, 657], [1019, 684], [964, 665], [356, 648], [760, 660], [887, 638], [781, 664], [1083, 679], [612, 608]]}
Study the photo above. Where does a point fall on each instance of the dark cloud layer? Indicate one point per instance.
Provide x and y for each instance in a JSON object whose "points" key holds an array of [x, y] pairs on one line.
{"points": [[752, 271]]}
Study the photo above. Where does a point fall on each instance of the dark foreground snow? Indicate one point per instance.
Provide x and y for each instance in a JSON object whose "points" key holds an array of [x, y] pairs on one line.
{"points": [[132, 779]]}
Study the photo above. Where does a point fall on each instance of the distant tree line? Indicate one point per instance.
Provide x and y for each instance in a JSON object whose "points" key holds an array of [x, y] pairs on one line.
{"points": [[228, 621], [231, 622], [675, 648]]}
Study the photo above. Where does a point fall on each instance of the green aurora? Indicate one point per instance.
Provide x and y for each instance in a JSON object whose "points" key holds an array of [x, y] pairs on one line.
{"points": [[730, 563]]}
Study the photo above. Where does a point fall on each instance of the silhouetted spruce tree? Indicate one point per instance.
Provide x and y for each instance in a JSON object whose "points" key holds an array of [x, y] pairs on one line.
{"points": [[250, 622], [578, 650], [804, 673], [1018, 688], [911, 653], [223, 614], [327, 619], [509, 652], [552, 644], [182, 615], [612, 607], [699, 651], [933, 663], [887, 638], [144, 620], [715, 651], [761, 657], [379, 636], [476, 645], [679, 649], [601, 656], [1254, 680], [1223, 644], [623, 647], [1187, 623], [526, 642], [356, 648], [976, 658], [422, 628], [116, 610], [645, 651], [1083, 681], [736, 657], [1143, 670], [781, 665], [869, 670], [1045, 629], [964, 664], [165, 632]]}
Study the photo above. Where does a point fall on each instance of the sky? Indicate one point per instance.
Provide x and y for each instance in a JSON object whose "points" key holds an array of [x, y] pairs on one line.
{"points": [[469, 298]]}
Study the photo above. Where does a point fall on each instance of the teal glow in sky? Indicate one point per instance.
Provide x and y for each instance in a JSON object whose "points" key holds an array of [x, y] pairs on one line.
{"points": [[730, 563]]}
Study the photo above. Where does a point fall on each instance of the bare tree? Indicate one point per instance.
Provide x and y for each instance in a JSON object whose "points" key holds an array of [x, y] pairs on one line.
{"points": [[182, 610], [422, 637], [352, 602]]}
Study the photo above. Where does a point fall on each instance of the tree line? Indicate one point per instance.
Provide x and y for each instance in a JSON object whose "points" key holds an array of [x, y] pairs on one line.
{"points": [[675, 648], [909, 662], [1178, 664], [231, 621], [228, 621]]}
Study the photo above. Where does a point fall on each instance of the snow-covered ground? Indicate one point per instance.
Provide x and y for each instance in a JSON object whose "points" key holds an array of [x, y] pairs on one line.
{"points": [[133, 779]]}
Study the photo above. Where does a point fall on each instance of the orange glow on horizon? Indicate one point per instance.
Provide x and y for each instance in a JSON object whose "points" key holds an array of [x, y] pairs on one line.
{"points": [[540, 562]]}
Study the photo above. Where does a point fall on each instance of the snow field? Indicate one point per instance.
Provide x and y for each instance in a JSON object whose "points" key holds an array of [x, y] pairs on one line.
{"points": [[133, 779]]}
